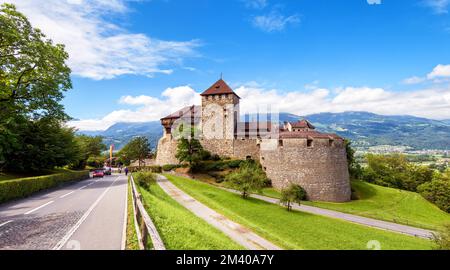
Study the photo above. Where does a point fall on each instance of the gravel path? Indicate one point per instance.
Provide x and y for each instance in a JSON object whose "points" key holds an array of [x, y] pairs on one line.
{"points": [[235, 231]]}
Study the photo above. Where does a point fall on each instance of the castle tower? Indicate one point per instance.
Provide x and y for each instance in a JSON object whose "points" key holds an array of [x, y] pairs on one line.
{"points": [[220, 112]]}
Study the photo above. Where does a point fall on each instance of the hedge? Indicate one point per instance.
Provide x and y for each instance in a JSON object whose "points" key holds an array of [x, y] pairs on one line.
{"points": [[23, 187], [154, 169]]}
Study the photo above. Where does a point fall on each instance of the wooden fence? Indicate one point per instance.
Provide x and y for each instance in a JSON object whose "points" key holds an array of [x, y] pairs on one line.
{"points": [[143, 224]]}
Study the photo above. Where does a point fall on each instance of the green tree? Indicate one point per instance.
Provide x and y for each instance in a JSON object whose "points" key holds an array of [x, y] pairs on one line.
{"points": [[395, 171], [33, 78], [250, 177], [33, 71], [292, 194], [191, 151], [89, 148], [137, 149], [437, 192], [44, 144], [354, 168]]}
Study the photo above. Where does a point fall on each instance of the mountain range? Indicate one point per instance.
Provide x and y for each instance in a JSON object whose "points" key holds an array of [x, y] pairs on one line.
{"points": [[363, 128]]}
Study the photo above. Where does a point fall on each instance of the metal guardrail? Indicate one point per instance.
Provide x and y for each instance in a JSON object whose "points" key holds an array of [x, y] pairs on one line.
{"points": [[143, 223]]}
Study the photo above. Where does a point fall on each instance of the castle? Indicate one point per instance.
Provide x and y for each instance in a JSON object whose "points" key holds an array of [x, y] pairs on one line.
{"points": [[289, 152]]}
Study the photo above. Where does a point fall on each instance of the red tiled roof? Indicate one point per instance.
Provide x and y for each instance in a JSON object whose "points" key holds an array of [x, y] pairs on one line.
{"points": [[186, 111], [302, 124], [219, 87], [308, 134]]}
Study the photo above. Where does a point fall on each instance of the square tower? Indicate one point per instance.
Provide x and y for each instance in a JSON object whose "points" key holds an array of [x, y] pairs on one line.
{"points": [[220, 112]]}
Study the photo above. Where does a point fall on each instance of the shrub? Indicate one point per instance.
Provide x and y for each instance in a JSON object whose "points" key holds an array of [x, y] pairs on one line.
{"points": [[170, 167], [154, 169], [292, 194], [437, 192], [442, 239], [19, 188], [144, 179], [249, 177]]}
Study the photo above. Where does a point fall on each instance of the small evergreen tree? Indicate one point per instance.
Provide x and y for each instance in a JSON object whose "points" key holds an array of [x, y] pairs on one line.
{"points": [[292, 194]]}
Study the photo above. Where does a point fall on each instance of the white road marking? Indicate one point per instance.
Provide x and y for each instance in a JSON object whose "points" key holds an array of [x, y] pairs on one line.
{"points": [[4, 223], [82, 219], [82, 187], [37, 208]]}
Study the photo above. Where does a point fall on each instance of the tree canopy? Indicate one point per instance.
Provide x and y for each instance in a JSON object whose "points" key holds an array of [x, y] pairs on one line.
{"points": [[33, 70], [292, 194], [137, 149], [250, 177], [33, 78]]}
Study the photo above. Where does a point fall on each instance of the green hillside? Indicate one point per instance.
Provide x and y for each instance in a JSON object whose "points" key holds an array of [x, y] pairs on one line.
{"points": [[387, 204], [294, 230]]}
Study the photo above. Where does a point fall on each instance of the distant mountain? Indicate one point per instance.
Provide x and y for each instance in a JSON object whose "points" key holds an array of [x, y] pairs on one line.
{"points": [[368, 129], [363, 128], [121, 133]]}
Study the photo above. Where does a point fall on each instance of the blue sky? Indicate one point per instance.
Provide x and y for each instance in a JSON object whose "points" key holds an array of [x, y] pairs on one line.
{"points": [[136, 61]]}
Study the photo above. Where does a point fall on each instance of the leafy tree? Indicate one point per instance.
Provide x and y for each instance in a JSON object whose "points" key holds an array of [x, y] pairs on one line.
{"points": [[89, 147], [354, 168], [137, 149], [33, 72], [442, 239], [33, 78], [43, 144], [395, 171], [292, 194], [250, 177], [191, 151], [437, 192]]}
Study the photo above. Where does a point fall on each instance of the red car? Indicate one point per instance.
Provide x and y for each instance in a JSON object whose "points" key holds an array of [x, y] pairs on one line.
{"points": [[98, 173]]}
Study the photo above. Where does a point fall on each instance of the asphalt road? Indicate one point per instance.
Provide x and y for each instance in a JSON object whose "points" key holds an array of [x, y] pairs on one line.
{"points": [[86, 215]]}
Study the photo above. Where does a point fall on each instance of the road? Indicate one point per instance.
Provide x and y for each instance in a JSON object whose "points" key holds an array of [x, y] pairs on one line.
{"points": [[86, 215]]}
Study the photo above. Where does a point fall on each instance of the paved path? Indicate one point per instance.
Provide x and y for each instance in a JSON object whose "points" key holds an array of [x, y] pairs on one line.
{"points": [[84, 215], [389, 226], [237, 232]]}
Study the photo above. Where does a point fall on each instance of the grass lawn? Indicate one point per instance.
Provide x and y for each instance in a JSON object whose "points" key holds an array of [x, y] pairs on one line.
{"points": [[132, 240], [178, 227], [294, 230], [387, 204]]}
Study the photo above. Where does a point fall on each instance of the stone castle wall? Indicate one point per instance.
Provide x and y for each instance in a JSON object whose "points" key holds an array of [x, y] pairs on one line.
{"points": [[321, 169], [166, 151]]}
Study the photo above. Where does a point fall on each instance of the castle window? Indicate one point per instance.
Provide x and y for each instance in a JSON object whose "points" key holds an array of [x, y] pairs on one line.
{"points": [[330, 143], [309, 143], [280, 143], [262, 158], [248, 157]]}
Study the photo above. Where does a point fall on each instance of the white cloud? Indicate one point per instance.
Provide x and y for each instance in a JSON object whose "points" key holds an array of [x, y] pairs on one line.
{"points": [[374, 2], [431, 103], [439, 6], [98, 48], [414, 80], [440, 71], [150, 108], [274, 21]]}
